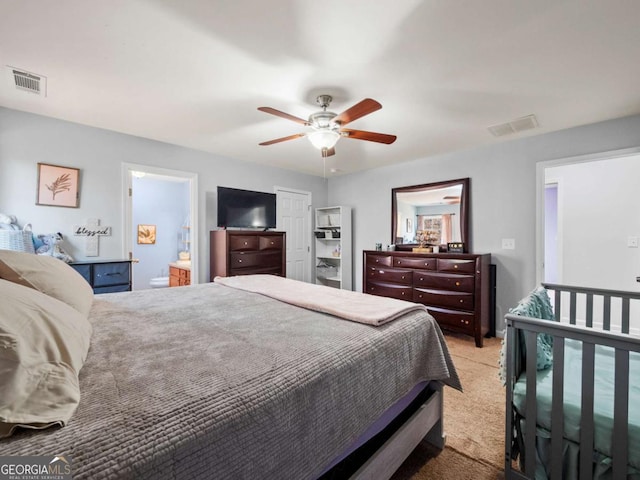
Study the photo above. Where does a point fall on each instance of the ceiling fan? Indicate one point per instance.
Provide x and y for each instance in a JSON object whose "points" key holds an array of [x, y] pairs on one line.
{"points": [[328, 127]]}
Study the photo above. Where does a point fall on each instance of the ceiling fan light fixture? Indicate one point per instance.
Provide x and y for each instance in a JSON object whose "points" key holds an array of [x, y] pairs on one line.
{"points": [[322, 139]]}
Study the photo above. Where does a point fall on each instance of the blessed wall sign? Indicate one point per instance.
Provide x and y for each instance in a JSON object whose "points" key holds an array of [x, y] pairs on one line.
{"points": [[93, 231]]}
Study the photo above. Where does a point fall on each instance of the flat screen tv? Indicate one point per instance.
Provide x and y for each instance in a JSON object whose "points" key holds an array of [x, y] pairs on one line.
{"points": [[246, 208]]}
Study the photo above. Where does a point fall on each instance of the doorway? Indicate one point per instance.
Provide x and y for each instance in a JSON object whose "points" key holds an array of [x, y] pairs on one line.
{"points": [[160, 222], [294, 218], [597, 217]]}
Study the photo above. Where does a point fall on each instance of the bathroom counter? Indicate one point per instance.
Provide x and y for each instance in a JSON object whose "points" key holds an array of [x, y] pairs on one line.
{"points": [[179, 274]]}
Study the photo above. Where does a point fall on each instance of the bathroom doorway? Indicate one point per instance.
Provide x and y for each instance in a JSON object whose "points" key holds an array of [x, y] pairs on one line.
{"points": [[160, 224]]}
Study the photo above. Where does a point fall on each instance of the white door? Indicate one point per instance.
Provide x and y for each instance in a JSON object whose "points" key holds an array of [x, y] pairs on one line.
{"points": [[294, 217]]}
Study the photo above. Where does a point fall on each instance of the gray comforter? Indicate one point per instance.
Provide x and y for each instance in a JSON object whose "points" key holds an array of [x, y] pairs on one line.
{"points": [[213, 382]]}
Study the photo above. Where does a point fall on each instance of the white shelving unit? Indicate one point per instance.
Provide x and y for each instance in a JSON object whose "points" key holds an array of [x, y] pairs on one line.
{"points": [[333, 247]]}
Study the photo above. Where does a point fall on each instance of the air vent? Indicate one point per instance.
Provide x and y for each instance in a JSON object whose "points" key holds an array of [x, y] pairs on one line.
{"points": [[514, 126], [28, 82]]}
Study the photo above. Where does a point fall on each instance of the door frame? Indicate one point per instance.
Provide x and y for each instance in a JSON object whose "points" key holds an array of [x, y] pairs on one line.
{"points": [[307, 240], [127, 207], [540, 185]]}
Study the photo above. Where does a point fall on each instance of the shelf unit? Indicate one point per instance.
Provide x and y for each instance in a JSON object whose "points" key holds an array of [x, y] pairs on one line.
{"points": [[333, 247]]}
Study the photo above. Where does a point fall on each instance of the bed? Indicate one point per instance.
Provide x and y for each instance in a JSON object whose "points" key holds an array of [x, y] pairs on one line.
{"points": [[218, 381], [580, 386]]}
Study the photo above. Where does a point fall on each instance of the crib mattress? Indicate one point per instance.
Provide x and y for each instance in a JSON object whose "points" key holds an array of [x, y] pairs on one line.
{"points": [[603, 398]]}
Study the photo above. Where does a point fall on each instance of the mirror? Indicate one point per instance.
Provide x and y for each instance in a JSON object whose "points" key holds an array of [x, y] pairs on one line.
{"points": [[430, 214]]}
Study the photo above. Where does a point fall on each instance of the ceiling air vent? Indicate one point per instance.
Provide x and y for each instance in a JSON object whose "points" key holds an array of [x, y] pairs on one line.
{"points": [[514, 126], [28, 82]]}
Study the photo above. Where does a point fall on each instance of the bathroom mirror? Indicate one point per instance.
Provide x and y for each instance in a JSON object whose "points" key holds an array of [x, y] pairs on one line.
{"points": [[434, 213]]}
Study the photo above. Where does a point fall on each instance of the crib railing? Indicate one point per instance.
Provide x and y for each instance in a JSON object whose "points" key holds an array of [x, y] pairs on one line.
{"points": [[528, 328]]}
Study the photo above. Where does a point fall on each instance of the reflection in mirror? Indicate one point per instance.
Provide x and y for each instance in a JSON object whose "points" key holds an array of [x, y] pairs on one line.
{"points": [[430, 214]]}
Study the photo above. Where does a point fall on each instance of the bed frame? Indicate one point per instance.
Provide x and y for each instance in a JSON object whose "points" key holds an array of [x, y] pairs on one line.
{"points": [[383, 454], [580, 302]]}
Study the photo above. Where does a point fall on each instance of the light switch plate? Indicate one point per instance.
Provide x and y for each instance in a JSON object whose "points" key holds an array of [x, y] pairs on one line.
{"points": [[508, 243], [632, 242]]}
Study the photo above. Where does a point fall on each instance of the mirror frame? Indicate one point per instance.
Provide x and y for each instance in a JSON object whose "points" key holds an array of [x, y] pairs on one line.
{"points": [[464, 209]]}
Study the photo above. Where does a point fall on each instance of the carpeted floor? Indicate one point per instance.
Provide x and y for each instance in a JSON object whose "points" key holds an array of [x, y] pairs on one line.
{"points": [[474, 420]]}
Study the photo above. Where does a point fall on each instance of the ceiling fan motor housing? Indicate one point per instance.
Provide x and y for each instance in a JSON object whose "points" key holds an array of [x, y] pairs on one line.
{"points": [[322, 120]]}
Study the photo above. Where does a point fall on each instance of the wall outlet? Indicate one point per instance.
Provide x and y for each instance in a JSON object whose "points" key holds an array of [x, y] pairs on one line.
{"points": [[632, 242], [508, 243]]}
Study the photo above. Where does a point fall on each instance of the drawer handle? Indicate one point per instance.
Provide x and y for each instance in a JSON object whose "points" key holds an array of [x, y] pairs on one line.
{"points": [[457, 284], [421, 279], [455, 266], [271, 243], [239, 261], [246, 243], [461, 301], [402, 277], [377, 260], [426, 264], [399, 262], [402, 293]]}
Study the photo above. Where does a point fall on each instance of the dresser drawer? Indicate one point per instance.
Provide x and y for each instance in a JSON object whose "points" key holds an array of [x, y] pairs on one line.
{"points": [[254, 259], [271, 243], [239, 243], [439, 281], [462, 321], [394, 275], [390, 290], [456, 265], [255, 270], [443, 298], [105, 274], [379, 260], [420, 262], [111, 289]]}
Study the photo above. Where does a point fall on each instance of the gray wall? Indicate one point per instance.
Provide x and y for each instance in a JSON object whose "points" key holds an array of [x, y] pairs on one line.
{"points": [[503, 186], [503, 196], [26, 139]]}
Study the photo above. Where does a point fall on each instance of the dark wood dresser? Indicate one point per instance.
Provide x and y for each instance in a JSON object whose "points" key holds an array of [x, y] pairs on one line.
{"points": [[243, 252], [455, 287]]}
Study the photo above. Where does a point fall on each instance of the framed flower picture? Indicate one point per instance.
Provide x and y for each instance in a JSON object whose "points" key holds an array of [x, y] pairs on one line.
{"points": [[146, 234], [58, 186]]}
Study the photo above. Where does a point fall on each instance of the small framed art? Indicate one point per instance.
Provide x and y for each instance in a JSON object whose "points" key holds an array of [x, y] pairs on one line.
{"points": [[58, 186], [146, 234]]}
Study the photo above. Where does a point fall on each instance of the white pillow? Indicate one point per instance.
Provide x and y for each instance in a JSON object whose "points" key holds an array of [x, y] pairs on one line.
{"points": [[47, 275], [43, 345]]}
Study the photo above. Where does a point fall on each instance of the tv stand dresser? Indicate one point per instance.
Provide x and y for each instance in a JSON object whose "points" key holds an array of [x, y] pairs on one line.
{"points": [[455, 287], [243, 252]]}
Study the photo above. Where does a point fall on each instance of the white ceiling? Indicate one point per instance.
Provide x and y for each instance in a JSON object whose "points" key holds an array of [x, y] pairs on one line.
{"points": [[193, 73]]}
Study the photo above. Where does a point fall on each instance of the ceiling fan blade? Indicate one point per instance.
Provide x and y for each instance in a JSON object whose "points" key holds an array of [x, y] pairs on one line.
{"points": [[283, 139], [327, 152], [278, 113], [365, 107], [370, 136]]}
